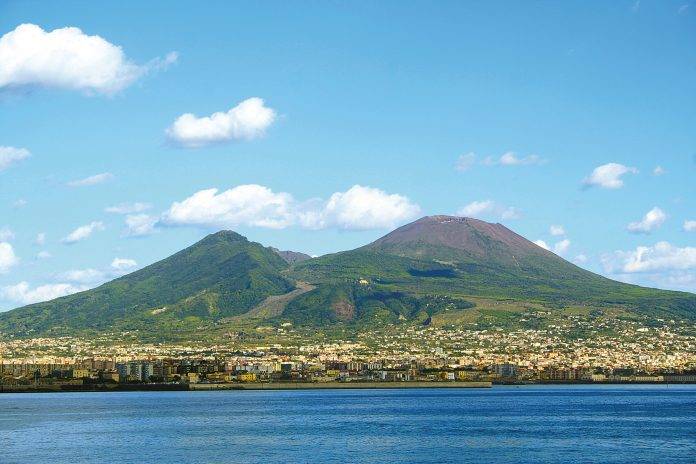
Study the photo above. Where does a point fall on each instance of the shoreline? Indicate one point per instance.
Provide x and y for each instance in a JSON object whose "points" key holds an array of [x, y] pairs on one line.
{"points": [[277, 386], [334, 385], [237, 386]]}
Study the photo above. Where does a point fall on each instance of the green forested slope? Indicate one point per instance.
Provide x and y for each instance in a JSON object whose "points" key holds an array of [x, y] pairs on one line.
{"points": [[222, 275], [435, 264]]}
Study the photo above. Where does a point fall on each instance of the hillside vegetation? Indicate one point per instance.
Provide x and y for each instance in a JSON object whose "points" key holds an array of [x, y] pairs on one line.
{"points": [[431, 266]]}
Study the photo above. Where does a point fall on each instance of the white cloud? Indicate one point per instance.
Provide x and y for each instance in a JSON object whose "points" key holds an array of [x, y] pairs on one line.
{"points": [[91, 276], [20, 203], [560, 248], [556, 230], [123, 264], [22, 293], [139, 225], [662, 264], [367, 208], [488, 209], [658, 171], [255, 205], [465, 162], [40, 238], [11, 155], [511, 159], [43, 255], [510, 212], [580, 259], [128, 208], [251, 205], [92, 180], [67, 58], [542, 244], [248, 120], [476, 208], [608, 176], [683, 9], [690, 226], [6, 234], [651, 221], [83, 232], [659, 257], [8, 258]]}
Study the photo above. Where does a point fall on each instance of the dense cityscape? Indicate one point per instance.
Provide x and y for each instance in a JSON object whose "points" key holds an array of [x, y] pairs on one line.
{"points": [[612, 351]]}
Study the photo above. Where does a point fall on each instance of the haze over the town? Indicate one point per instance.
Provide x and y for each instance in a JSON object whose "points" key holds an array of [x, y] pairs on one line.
{"points": [[129, 133]]}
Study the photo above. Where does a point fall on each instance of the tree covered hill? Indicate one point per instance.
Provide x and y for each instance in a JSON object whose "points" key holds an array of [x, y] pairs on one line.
{"points": [[435, 264], [222, 275]]}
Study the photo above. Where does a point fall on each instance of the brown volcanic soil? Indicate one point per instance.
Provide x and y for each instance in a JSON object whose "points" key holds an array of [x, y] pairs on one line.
{"points": [[473, 236]]}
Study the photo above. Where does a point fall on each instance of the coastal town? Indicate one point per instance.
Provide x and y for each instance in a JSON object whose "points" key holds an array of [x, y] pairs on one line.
{"points": [[629, 352]]}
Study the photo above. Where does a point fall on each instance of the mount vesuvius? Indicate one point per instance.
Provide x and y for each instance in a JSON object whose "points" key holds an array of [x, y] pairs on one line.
{"points": [[433, 265]]}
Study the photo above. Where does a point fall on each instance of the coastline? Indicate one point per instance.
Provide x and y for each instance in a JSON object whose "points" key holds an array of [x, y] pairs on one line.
{"points": [[333, 385], [276, 386], [237, 386]]}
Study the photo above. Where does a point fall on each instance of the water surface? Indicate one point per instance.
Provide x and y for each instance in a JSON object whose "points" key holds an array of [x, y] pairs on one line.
{"points": [[531, 424]]}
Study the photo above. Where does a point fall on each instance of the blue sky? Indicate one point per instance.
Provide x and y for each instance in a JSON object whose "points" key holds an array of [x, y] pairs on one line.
{"points": [[338, 121]]}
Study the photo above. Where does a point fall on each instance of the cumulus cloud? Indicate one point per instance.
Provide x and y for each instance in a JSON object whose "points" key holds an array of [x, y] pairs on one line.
{"points": [[22, 293], [651, 221], [91, 276], [659, 257], [43, 255], [67, 58], [83, 232], [560, 247], [20, 203], [254, 205], [92, 180], [658, 171], [488, 209], [251, 205], [248, 120], [556, 230], [476, 208], [662, 264], [128, 208], [140, 225], [366, 208], [608, 176], [542, 244], [11, 155], [511, 159], [580, 259], [689, 226], [8, 259]]}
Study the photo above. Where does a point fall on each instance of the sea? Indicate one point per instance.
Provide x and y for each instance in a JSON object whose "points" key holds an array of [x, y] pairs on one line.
{"points": [[504, 424]]}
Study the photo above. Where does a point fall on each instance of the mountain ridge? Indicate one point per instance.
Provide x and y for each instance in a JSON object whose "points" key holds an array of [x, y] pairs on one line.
{"points": [[434, 264]]}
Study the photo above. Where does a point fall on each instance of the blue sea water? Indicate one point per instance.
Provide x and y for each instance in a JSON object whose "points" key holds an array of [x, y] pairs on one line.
{"points": [[530, 424]]}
